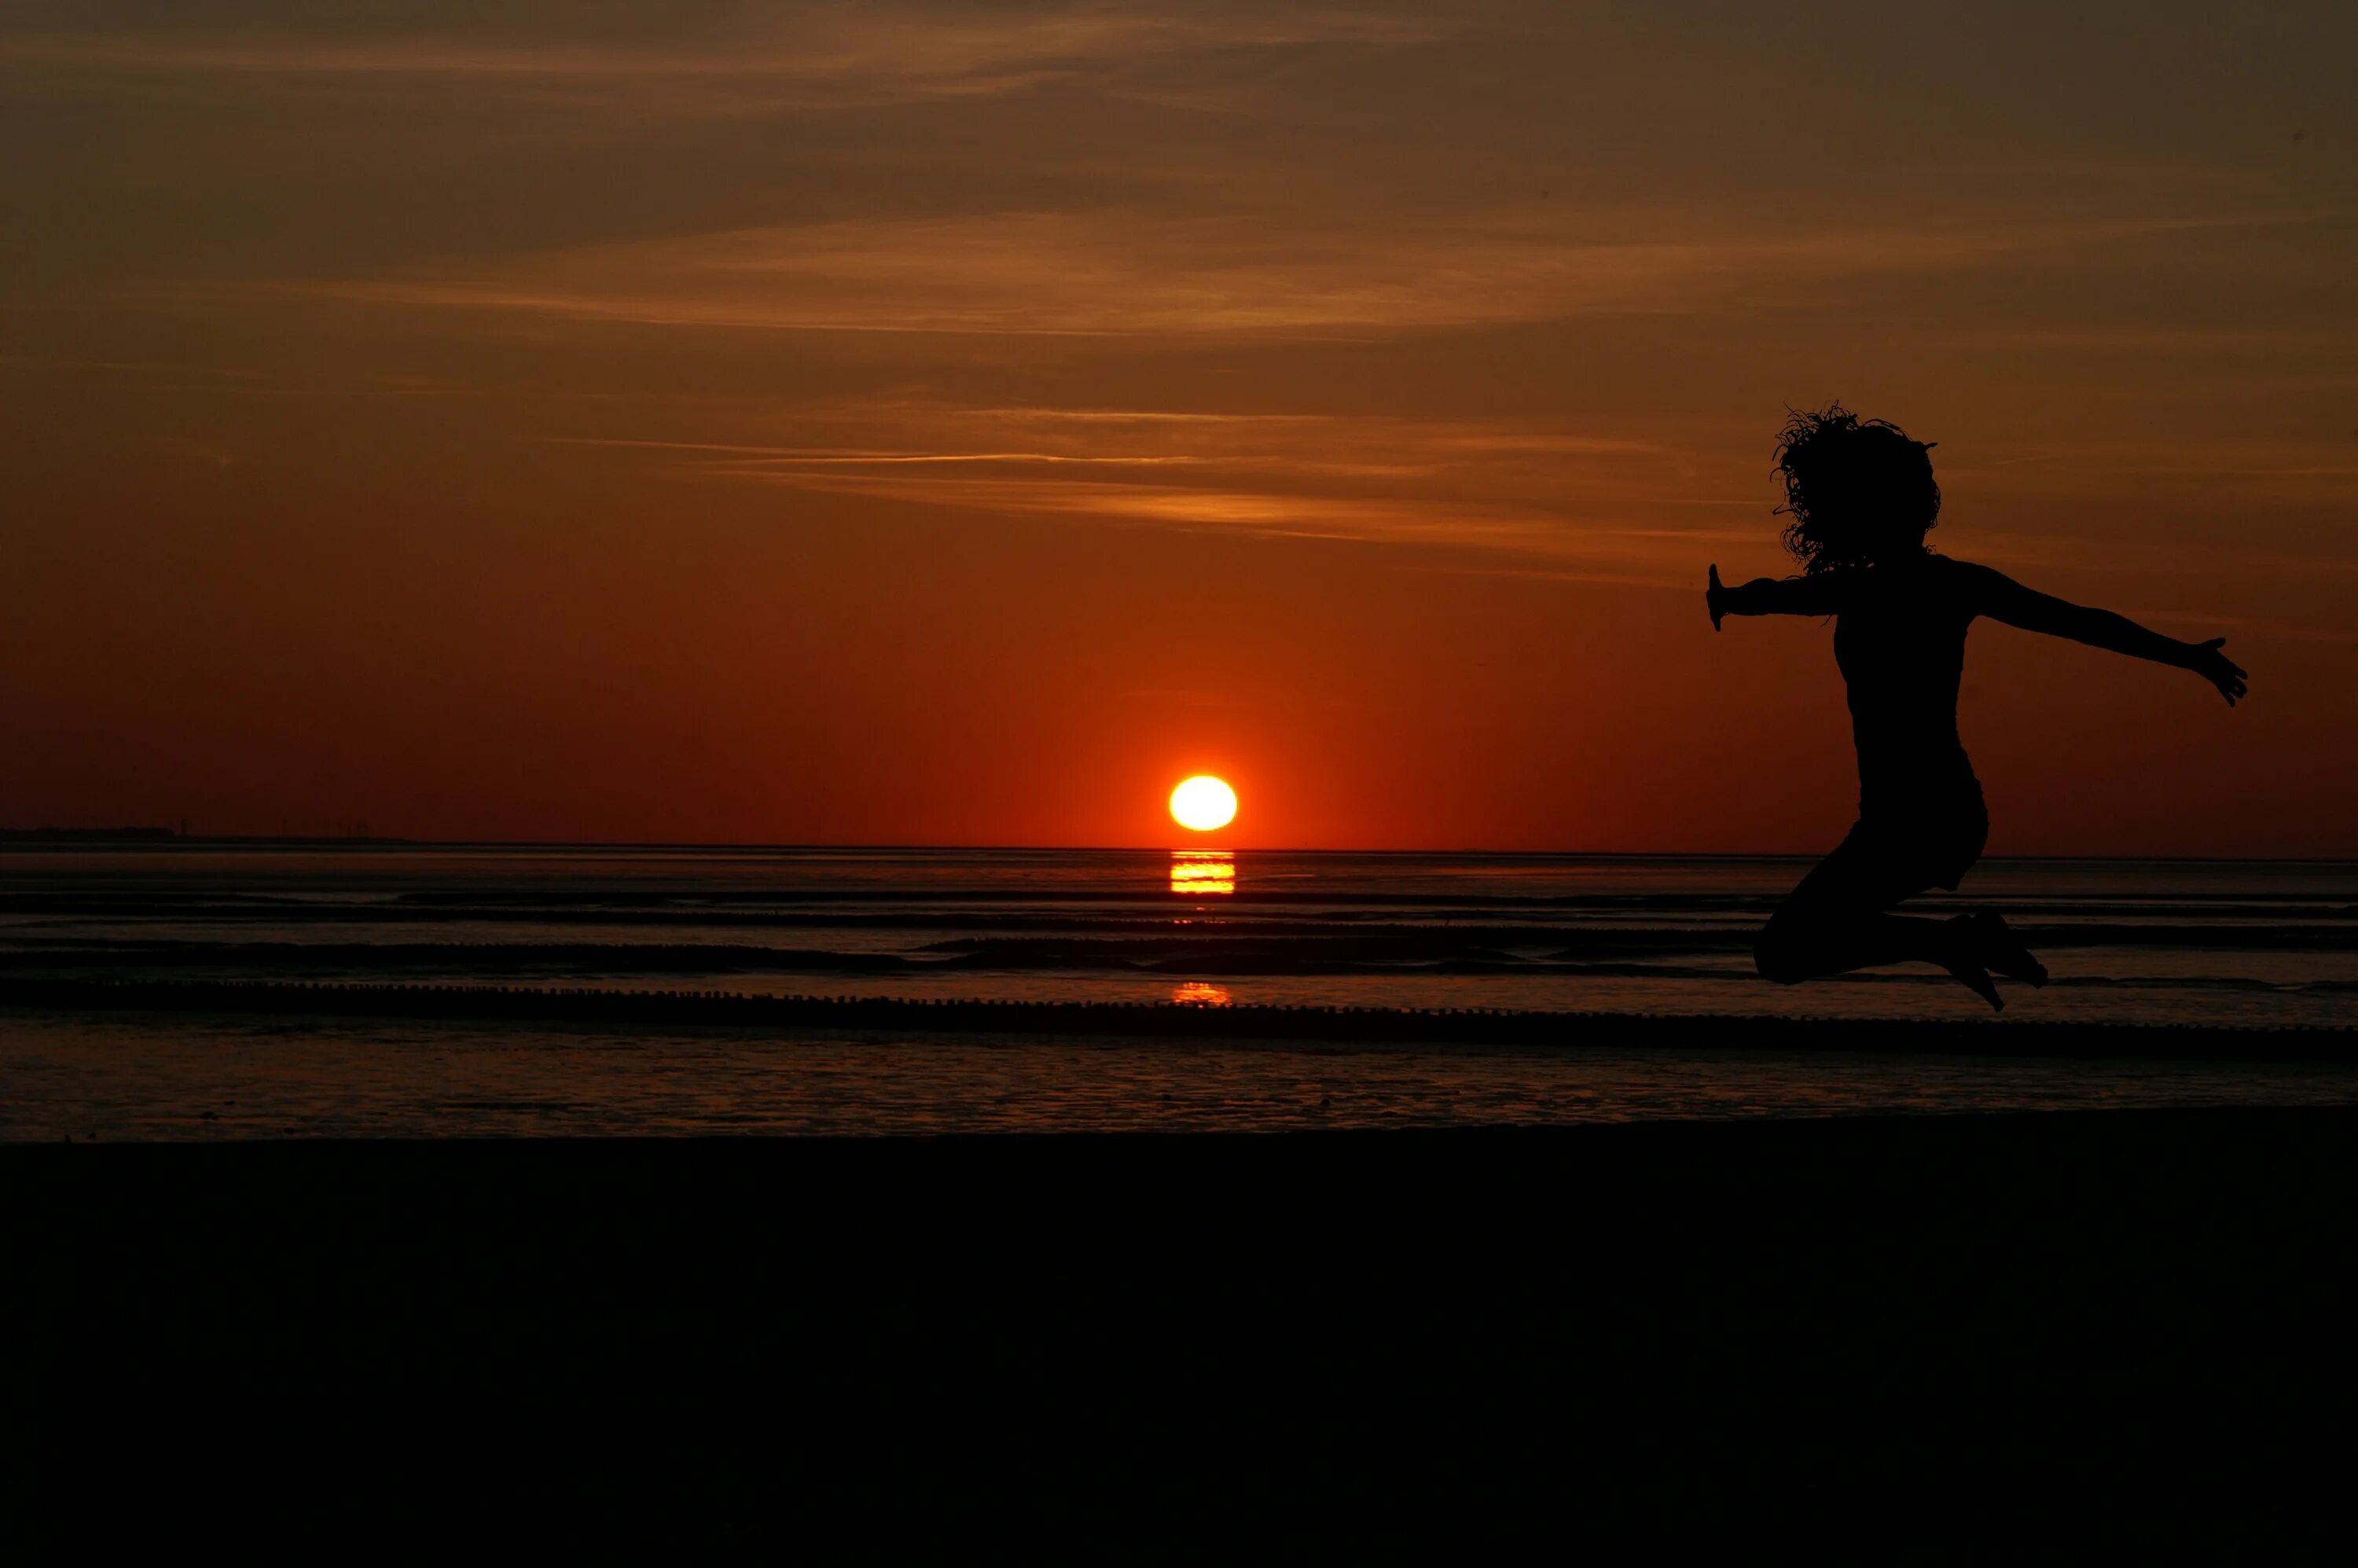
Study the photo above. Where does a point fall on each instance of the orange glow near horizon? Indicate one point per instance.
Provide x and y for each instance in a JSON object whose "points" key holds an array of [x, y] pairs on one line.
{"points": [[885, 423]]}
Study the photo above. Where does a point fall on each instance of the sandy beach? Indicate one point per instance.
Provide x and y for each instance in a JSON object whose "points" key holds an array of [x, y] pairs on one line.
{"points": [[1702, 1286], [213, 1063]]}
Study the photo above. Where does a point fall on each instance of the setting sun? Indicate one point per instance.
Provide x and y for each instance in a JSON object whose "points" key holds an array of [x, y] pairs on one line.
{"points": [[1204, 803]]}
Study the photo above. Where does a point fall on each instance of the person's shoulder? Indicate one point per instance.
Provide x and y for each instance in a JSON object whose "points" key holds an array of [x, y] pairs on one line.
{"points": [[1948, 569], [1968, 581], [1833, 586]]}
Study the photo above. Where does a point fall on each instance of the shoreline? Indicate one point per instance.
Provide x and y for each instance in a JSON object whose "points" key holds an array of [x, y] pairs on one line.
{"points": [[1229, 1023]]}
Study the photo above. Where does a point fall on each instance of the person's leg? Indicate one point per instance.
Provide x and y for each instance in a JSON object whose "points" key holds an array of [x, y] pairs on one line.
{"points": [[1990, 940], [1811, 941], [1996, 945], [1836, 921]]}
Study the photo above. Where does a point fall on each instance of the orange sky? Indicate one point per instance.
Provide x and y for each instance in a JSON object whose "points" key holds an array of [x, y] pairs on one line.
{"points": [[939, 425]]}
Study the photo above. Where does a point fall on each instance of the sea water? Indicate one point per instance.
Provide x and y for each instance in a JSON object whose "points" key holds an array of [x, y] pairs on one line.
{"points": [[2127, 941]]}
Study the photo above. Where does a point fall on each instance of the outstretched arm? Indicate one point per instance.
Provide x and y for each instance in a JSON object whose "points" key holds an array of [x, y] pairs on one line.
{"points": [[1770, 596], [2001, 598]]}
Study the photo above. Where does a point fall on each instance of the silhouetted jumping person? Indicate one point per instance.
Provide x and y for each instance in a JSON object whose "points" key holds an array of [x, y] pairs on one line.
{"points": [[1861, 497]]}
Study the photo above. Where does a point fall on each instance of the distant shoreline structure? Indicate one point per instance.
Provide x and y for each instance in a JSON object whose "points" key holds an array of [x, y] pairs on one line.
{"points": [[110, 837]]}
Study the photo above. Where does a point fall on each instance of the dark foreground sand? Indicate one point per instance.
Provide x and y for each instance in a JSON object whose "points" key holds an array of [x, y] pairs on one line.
{"points": [[1887, 1338], [2035, 1287]]}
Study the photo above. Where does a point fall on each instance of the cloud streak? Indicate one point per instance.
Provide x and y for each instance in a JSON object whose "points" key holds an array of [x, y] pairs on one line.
{"points": [[808, 54], [1381, 481], [1129, 271]]}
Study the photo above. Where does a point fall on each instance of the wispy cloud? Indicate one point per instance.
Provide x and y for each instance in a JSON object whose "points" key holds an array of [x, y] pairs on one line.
{"points": [[1120, 271], [1452, 453], [1557, 496], [857, 52], [1362, 519]]}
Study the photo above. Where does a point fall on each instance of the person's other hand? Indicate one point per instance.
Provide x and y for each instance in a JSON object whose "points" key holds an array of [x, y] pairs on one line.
{"points": [[1712, 597], [2217, 668]]}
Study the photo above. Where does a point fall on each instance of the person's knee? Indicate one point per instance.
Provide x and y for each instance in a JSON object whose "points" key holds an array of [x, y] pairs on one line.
{"points": [[1778, 953]]}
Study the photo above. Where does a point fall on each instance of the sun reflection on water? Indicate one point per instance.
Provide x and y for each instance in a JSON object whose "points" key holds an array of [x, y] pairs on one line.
{"points": [[1202, 993], [1198, 872]]}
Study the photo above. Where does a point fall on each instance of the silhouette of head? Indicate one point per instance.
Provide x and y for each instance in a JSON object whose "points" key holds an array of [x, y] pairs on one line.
{"points": [[1858, 491]]}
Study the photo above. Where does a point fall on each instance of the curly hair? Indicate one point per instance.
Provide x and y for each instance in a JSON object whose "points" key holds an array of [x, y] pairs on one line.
{"points": [[1857, 490]]}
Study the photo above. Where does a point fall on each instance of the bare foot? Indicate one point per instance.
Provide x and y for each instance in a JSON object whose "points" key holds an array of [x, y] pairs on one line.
{"points": [[1995, 945], [1978, 978]]}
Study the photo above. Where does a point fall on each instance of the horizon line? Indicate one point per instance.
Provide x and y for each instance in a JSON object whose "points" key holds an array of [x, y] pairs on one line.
{"points": [[143, 837]]}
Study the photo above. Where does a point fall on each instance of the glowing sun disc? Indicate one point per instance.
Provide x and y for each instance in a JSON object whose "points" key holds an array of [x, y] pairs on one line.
{"points": [[1204, 803]]}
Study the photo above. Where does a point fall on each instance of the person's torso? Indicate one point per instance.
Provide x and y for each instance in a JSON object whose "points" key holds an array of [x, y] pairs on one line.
{"points": [[1900, 642]]}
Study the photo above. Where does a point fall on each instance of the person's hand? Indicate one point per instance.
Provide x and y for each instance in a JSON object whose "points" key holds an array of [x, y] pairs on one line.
{"points": [[2216, 667], [1714, 595]]}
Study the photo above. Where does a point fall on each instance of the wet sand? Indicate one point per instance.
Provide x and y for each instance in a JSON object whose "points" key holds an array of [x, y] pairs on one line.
{"points": [[151, 1076], [753, 1013]]}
